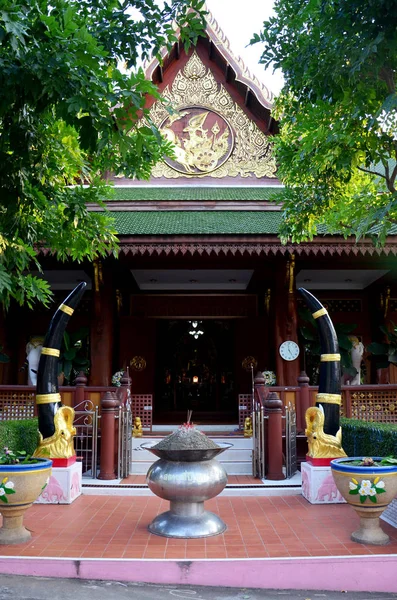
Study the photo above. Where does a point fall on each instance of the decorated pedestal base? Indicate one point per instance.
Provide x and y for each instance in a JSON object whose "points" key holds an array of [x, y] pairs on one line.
{"points": [[318, 485], [64, 485]]}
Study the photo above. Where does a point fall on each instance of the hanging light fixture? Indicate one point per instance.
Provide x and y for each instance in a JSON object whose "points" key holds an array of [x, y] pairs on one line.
{"points": [[195, 332]]}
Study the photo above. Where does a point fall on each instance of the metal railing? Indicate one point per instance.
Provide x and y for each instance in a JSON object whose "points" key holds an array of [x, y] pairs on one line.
{"points": [[291, 462], [86, 422]]}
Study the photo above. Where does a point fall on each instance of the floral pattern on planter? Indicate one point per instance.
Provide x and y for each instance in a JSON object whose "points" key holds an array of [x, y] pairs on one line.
{"points": [[367, 489], [6, 488]]}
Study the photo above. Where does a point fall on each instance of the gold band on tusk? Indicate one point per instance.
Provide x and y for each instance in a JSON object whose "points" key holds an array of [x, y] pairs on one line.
{"points": [[319, 313], [47, 398], [329, 357], [66, 309], [51, 352], [329, 398]]}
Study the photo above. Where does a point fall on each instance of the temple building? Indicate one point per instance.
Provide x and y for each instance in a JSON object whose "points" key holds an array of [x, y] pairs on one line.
{"points": [[203, 287]]}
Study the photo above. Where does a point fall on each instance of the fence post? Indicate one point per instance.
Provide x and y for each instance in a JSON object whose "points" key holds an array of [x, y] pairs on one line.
{"points": [[348, 403], [80, 383], [304, 401], [260, 390], [109, 409], [273, 409], [125, 384]]}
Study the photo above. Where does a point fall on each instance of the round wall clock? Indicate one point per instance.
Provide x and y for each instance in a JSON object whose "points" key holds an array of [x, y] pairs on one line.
{"points": [[289, 350]]}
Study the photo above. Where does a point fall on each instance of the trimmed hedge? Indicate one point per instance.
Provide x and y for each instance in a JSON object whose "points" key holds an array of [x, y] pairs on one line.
{"points": [[364, 438], [19, 435]]}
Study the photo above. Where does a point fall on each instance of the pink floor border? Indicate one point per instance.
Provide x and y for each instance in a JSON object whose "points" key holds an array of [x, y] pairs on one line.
{"points": [[374, 573]]}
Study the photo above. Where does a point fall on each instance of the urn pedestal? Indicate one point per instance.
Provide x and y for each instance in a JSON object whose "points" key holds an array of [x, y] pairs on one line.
{"points": [[187, 478], [369, 490], [20, 486]]}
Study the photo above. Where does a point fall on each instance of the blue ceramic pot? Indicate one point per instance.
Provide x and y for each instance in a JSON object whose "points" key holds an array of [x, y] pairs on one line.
{"points": [[369, 490]]}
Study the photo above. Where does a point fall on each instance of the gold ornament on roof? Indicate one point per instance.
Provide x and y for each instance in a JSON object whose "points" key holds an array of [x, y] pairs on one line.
{"points": [[202, 140], [240, 148]]}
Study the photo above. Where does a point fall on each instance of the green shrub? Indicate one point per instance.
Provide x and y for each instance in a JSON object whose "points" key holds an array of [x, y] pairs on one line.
{"points": [[363, 438], [19, 435]]}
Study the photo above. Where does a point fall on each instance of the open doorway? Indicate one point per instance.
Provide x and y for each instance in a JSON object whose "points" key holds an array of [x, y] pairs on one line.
{"points": [[195, 371]]}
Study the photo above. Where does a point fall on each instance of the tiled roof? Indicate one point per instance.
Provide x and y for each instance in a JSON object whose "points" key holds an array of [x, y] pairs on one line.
{"points": [[197, 222], [195, 193]]}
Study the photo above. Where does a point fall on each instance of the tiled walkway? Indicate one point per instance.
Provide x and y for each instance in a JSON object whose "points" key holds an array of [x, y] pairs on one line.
{"points": [[232, 480], [116, 527]]}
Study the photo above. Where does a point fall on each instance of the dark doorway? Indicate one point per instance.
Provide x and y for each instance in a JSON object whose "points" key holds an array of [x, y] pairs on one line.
{"points": [[194, 371]]}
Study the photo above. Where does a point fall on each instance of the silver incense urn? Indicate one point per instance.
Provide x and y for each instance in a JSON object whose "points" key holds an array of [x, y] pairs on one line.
{"points": [[187, 478]]}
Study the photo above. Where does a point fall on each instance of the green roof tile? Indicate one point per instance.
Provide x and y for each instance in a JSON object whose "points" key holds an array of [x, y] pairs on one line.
{"points": [[241, 194], [197, 222]]}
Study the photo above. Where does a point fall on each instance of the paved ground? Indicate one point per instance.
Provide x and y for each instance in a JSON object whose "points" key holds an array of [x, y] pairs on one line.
{"points": [[36, 588], [257, 527]]}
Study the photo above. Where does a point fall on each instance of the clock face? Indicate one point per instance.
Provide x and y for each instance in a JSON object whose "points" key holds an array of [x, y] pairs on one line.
{"points": [[289, 350]]}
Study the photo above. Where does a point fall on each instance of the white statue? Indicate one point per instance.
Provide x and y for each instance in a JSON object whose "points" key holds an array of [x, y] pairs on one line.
{"points": [[356, 354], [33, 351]]}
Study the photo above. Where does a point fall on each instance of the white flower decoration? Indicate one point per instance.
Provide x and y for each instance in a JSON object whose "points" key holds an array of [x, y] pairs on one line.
{"points": [[380, 484], [9, 485], [363, 492], [353, 486], [372, 492], [2, 492], [366, 484]]}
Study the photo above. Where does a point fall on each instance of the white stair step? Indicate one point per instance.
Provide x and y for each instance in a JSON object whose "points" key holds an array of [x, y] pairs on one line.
{"points": [[237, 460]]}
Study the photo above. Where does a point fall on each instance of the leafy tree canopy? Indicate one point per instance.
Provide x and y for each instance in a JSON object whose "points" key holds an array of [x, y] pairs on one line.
{"points": [[337, 148], [67, 115]]}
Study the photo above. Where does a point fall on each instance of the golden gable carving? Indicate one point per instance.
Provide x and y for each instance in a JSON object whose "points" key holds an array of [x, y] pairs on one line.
{"points": [[212, 135]]}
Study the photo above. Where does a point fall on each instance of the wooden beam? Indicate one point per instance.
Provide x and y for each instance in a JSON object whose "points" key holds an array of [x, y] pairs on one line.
{"points": [[210, 49]]}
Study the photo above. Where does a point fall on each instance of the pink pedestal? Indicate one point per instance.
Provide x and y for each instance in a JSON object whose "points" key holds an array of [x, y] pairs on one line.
{"points": [[318, 486], [64, 485]]}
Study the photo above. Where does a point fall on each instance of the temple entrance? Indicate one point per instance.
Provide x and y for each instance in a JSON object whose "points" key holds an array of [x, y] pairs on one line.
{"points": [[195, 371]]}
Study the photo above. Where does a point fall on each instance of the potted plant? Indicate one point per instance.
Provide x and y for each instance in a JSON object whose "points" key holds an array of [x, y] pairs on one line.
{"points": [[311, 345], [74, 355], [22, 479], [385, 353], [368, 485]]}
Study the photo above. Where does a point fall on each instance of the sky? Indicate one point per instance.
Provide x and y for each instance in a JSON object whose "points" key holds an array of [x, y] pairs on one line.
{"points": [[239, 20]]}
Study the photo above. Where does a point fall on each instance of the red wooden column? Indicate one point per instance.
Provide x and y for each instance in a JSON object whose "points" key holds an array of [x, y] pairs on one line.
{"points": [[304, 401], [109, 409], [274, 450], [286, 321], [102, 323]]}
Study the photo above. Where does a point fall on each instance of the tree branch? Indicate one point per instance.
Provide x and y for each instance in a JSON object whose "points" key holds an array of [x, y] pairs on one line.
{"points": [[371, 172]]}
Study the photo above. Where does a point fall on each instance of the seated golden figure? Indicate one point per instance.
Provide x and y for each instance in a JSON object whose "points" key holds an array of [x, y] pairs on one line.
{"points": [[137, 430], [248, 427]]}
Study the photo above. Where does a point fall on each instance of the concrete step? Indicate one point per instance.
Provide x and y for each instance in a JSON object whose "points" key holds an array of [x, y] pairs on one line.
{"points": [[237, 460]]}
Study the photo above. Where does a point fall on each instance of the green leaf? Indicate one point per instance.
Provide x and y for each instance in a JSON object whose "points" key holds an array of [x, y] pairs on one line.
{"points": [[4, 499], [363, 499], [9, 490], [353, 492], [373, 499]]}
